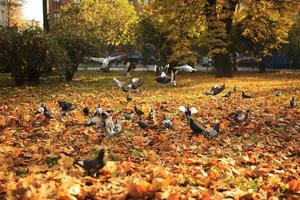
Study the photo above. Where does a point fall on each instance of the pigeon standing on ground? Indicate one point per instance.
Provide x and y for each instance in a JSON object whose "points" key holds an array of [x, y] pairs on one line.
{"points": [[138, 111], [43, 109], [152, 114], [167, 123], [198, 129], [239, 116], [278, 93], [65, 107], [293, 102], [129, 116], [216, 89], [86, 111], [246, 96], [142, 124], [92, 166]]}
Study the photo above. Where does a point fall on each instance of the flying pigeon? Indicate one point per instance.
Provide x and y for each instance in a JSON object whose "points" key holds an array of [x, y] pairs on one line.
{"points": [[152, 114], [105, 61], [239, 116], [167, 122], [142, 124], [228, 94], [117, 82], [138, 111], [130, 66], [188, 111], [92, 166], [293, 102], [246, 96], [135, 83], [186, 68], [86, 111], [216, 89]]}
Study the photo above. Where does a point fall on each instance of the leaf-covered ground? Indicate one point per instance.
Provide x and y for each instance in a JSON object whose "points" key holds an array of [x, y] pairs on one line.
{"points": [[259, 160]]}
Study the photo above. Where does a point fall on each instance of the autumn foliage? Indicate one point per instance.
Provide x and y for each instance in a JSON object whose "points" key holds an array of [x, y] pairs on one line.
{"points": [[256, 160]]}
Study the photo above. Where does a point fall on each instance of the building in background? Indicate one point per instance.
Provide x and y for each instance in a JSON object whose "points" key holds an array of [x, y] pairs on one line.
{"points": [[3, 13]]}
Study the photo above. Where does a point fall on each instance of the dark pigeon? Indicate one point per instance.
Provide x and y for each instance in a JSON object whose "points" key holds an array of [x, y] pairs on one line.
{"points": [[198, 129], [293, 102], [142, 124], [86, 111], [138, 111], [65, 106], [92, 166], [228, 94], [216, 89]]}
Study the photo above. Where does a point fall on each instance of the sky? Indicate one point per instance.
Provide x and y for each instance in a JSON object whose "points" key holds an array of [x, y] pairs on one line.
{"points": [[33, 9]]}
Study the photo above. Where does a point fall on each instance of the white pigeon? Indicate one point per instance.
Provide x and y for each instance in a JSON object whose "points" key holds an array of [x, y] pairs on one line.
{"points": [[118, 83], [185, 68]]}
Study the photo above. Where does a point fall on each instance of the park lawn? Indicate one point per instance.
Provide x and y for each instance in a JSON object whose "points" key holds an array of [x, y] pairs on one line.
{"points": [[257, 160]]}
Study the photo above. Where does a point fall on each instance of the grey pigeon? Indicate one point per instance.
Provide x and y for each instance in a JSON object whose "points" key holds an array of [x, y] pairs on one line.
{"points": [[239, 116], [216, 89], [167, 123]]}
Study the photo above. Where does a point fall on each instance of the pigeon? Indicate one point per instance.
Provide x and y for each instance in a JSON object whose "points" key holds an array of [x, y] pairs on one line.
{"points": [[47, 113], [43, 109], [117, 82], [245, 95], [105, 61], [167, 122], [135, 83], [130, 66], [113, 128], [126, 88], [228, 94], [293, 102], [185, 68], [239, 116], [189, 111], [198, 129], [278, 93], [92, 166], [86, 111], [128, 98], [152, 114], [216, 89], [138, 111], [142, 124], [129, 116], [235, 88], [92, 121], [98, 111], [213, 132], [65, 106]]}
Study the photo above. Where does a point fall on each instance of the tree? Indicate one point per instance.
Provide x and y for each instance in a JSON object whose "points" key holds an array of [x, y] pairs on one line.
{"points": [[95, 27], [180, 25], [15, 13]]}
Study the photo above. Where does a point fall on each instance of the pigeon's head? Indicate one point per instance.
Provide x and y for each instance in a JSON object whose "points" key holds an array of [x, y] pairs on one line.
{"points": [[101, 154]]}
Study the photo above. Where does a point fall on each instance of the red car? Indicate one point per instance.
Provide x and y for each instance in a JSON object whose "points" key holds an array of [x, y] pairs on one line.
{"points": [[247, 61]]}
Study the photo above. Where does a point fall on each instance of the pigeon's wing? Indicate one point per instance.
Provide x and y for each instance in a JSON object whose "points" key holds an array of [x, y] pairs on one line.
{"points": [[99, 60], [193, 110], [117, 82], [182, 109]]}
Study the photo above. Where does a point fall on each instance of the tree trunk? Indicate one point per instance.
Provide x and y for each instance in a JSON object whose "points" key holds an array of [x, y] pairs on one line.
{"points": [[223, 66]]}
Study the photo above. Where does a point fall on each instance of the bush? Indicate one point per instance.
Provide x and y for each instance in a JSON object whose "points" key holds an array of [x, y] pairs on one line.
{"points": [[23, 53]]}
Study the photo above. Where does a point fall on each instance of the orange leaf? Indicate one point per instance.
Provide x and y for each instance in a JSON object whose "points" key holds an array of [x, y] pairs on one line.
{"points": [[294, 185], [174, 196], [2, 121]]}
